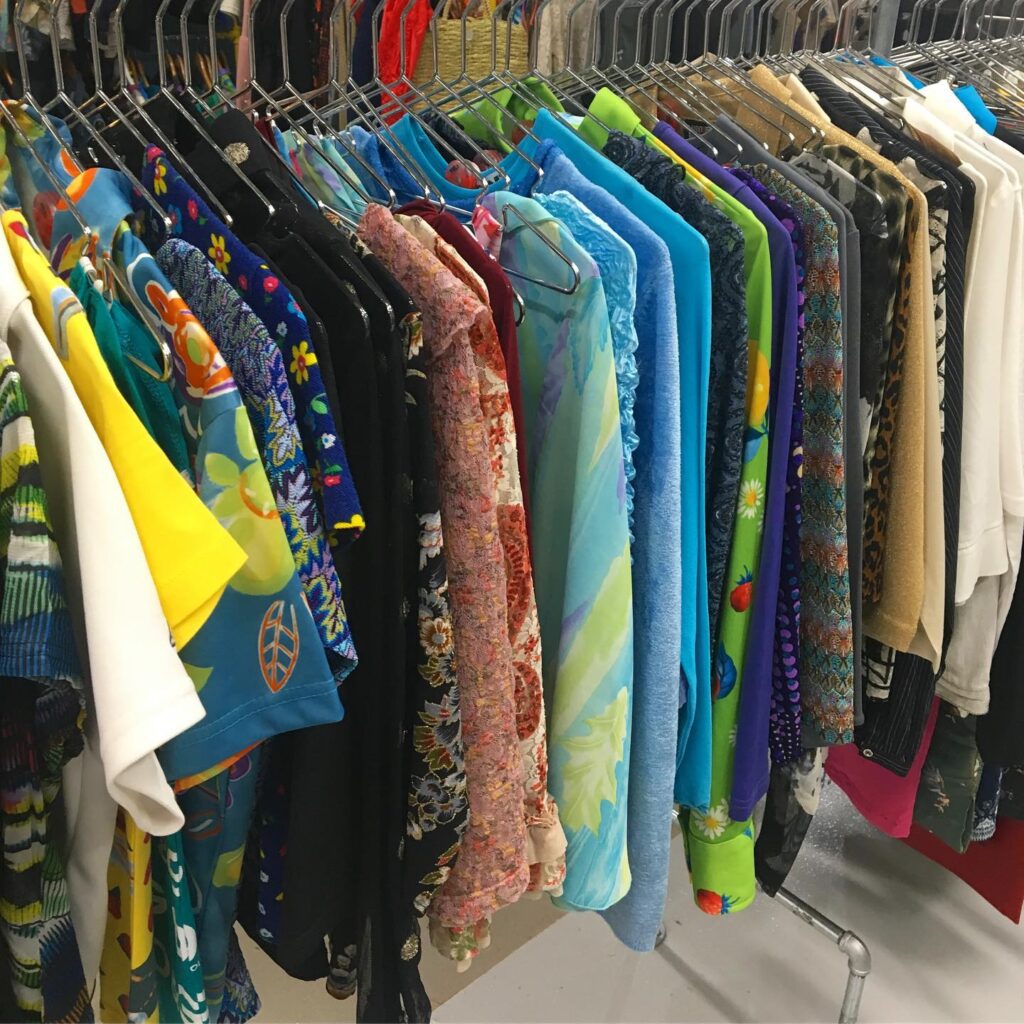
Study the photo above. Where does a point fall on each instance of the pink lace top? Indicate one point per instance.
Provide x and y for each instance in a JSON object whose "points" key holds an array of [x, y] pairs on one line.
{"points": [[491, 870]]}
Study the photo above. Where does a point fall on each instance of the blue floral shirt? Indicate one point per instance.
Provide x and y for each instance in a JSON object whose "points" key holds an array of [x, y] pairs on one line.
{"points": [[269, 299], [259, 372]]}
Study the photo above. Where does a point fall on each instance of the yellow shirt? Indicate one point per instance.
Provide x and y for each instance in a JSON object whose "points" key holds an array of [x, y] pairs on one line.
{"points": [[190, 555]]}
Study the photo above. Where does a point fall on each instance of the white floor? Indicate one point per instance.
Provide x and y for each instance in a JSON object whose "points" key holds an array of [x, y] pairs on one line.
{"points": [[940, 952]]}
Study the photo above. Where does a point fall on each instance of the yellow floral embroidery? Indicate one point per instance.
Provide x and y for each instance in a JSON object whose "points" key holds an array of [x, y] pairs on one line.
{"points": [[218, 253], [303, 357], [159, 185]]}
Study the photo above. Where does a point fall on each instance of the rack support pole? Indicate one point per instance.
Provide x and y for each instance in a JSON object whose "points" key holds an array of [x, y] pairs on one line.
{"points": [[858, 956]]}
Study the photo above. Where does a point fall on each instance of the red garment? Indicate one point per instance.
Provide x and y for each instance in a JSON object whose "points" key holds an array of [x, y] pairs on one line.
{"points": [[885, 799], [389, 48], [994, 869], [500, 296]]}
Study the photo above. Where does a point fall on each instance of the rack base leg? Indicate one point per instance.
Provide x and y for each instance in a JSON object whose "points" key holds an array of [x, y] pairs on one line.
{"points": [[857, 954]]}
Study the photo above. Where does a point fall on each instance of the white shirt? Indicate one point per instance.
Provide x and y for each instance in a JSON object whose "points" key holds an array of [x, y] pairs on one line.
{"points": [[979, 621], [982, 547], [139, 695]]}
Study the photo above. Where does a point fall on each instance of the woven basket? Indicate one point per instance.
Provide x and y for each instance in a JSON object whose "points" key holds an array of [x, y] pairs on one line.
{"points": [[480, 32]]}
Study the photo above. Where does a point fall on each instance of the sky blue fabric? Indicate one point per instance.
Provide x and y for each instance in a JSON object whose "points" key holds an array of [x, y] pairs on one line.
{"points": [[617, 263], [657, 581], [692, 281], [971, 99], [580, 540]]}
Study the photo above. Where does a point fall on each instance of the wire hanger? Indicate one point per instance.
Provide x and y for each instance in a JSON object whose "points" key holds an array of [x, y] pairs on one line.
{"points": [[341, 102], [103, 257], [222, 96], [53, 9], [134, 106], [193, 120], [502, 79], [438, 85]]}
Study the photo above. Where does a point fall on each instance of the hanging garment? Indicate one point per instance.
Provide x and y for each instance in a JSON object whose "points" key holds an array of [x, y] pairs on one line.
{"points": [[785, 703], [41, 720], [282, 318], [545, 837], [491, 870], [259, 371], [582, 562], [125, 724]]}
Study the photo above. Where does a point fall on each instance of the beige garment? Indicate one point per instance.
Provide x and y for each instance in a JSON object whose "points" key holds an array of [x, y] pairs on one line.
{"points": [[553, 35], [914, 547], [802, 95]]}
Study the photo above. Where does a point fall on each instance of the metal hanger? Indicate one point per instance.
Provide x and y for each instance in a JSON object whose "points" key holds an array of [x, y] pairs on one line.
{"points": [[105, 258], [223, 97], [297, 110], [675, 77], [53, 9], [508, 208], [747, 87], [367, 112], [165, 91], [134, 106], [568, 81], [460, 92]]}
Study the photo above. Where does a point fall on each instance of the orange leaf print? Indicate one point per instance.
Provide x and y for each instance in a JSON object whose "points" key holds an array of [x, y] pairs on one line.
{"points": [[279, 645]]}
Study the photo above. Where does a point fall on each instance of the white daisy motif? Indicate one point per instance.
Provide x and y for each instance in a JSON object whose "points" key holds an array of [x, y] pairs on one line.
{"points": [[751, 496], [282, 329], [711, 822]]}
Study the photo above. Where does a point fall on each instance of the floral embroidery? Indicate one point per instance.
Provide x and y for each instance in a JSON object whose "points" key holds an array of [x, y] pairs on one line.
{"points": [[220, 256], [302, 359], [193, 209], [159, 181]]}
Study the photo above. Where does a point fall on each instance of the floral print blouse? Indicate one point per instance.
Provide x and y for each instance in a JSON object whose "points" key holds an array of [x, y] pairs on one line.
{"points": [[580, 534], [491, 870], [544, 832]]}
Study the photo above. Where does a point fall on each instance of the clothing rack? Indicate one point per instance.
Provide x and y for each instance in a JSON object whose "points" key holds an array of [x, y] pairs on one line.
{"points": [[824, 27]]}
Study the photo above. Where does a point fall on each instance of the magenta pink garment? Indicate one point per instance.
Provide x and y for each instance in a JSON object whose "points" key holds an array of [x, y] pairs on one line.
{"points": [[885, 799]]}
